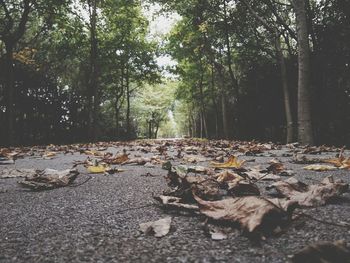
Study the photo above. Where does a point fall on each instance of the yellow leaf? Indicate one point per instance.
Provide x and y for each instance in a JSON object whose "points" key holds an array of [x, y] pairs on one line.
{"points": [[97, 169], [319, 167], [232, 162]]}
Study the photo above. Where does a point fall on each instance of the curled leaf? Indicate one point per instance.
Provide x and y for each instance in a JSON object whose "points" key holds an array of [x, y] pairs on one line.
{"points": [[49, 179], [251, 213], [313, 195]]}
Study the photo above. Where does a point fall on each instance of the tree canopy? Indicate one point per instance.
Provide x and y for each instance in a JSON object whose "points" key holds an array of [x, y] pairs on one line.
{"points": [[87, 70]]}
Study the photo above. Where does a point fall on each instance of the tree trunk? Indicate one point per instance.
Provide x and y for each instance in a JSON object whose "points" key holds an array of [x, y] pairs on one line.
{"points": [[128, 126], [230, 70], [150, 129], [224, 115], [10, 87], [156, 131], [204, 131], [93, 92], [116, 120], [214, 102], [305, 134], [287, 104]]}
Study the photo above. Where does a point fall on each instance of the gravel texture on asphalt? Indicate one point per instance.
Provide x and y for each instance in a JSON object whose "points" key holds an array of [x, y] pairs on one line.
{"points": [[98, 221]]}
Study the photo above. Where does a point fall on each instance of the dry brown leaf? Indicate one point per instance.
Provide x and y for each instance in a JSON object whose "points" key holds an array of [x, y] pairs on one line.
{"points": [[323, 252], [157, 228], [204, 187], [49, 155], [275, 167], [118, 159], [227, 176], [242, 188], [236, 184], [232, 162], [257, 173], [94, 153], [138, 161], [341, 162], [194, 159], [313, 195], [251, 212], [303, 159], [49, 179], [13, 173]]}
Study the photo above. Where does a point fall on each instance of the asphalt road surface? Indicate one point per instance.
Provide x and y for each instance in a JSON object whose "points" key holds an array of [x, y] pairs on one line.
{"points": [[98, 220]]}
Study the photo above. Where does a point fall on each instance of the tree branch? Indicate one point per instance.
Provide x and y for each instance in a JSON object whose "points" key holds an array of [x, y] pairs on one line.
{"points": [[24, 19], [280, 20]]}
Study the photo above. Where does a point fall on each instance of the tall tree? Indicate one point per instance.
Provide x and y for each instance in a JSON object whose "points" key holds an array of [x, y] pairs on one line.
{"points": [[305, 132], [93, 93]]}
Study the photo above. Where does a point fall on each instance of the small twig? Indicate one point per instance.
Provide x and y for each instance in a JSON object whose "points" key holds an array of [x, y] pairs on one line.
{"points": [[75, 185], [323, 221]]}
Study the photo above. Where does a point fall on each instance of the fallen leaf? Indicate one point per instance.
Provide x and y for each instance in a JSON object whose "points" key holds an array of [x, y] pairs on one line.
{"points": [[13, 173], [275, 167], [251, 213], [303, 159], [319, 167], [194, 159], [118, 159], [49, 155], [94, 153], [232, 162], [313, 195], [236, 184], [341, 162], [323, 252], [157, 228], [242, 188], [49, 179], [138, 161], [215, 232], [204, 187], [175, 202], [97, 169], [256, 173], [227, 176]]}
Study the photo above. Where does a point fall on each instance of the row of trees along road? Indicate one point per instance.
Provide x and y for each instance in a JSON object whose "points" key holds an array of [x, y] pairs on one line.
{"points": [[270, 70], [69, 69], [82, 70]]}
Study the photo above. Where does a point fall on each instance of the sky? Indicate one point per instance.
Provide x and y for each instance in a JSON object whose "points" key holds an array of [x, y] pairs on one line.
{"points": [[160, 25]]}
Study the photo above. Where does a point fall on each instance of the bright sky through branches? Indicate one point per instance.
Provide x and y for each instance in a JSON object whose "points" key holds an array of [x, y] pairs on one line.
{"points": [[160, 24]]}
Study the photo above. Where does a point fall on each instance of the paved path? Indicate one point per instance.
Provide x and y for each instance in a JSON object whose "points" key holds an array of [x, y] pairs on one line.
{"points": [[99, 221]]}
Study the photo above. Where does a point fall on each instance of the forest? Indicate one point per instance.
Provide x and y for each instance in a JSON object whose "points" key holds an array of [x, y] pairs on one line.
{"points": [[88, 70]]}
